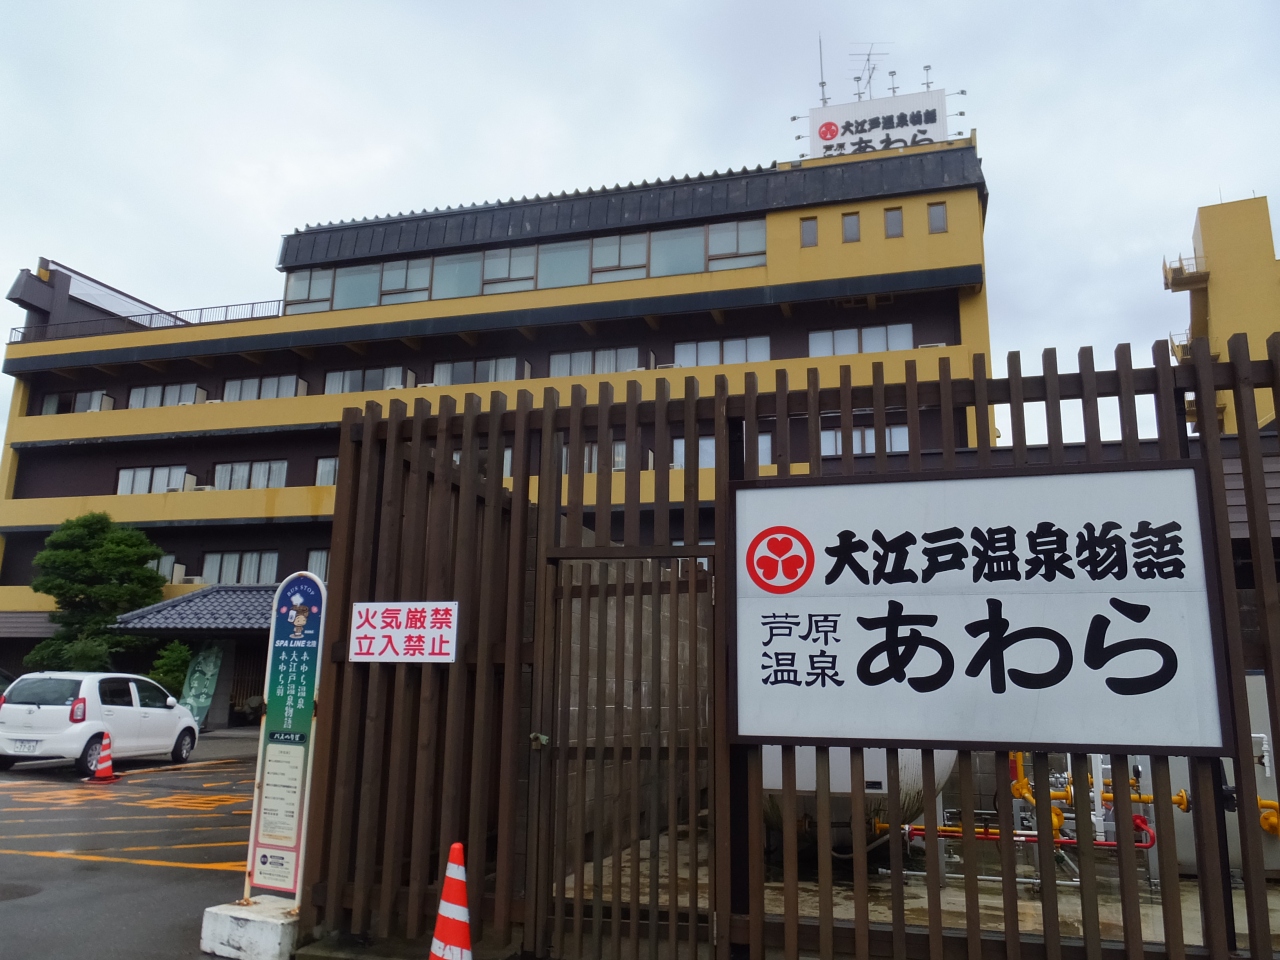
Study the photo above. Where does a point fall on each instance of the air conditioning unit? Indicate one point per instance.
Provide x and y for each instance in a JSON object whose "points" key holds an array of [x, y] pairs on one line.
{"points": [[204, 486], [191, 579], [923, 345]]}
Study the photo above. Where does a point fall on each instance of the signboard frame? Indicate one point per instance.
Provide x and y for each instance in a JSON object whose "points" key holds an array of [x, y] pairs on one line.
{"points": [[1213, 591]]}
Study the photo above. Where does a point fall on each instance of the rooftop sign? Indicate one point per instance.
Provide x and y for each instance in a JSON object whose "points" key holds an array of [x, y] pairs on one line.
{"points": [[886, 123]]}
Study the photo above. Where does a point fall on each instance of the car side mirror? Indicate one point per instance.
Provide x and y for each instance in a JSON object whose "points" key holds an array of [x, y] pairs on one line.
{"points": [[170, 703]]}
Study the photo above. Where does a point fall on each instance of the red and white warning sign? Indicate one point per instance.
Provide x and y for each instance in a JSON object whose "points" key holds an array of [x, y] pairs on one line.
{"points": [[421, 631]]}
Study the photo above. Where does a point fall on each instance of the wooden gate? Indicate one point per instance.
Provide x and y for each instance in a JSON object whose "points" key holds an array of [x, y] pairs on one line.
{"points": [[580, 748]]}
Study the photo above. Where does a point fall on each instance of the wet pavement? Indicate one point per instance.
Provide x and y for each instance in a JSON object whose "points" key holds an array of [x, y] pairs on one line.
{"points": [[123, 870]]}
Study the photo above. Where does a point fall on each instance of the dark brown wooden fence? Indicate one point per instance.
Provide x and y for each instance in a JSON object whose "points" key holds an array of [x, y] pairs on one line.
{"points": [[580, 746]]}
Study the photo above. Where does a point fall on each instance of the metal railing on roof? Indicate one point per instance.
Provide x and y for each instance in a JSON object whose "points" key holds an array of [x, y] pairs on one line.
{"points": [[1182, 269], [262, 309]]}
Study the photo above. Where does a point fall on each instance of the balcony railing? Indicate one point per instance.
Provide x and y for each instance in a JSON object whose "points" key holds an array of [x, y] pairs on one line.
{"points": [[1183, 273], [262, 309]]}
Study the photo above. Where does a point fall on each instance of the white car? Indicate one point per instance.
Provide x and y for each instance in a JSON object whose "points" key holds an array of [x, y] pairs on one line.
{"points": [[49, 715]]}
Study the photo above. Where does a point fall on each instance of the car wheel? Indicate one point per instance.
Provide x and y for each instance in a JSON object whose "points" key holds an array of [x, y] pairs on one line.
{"points": [[87, 765], [183, 746], [6, 763]]}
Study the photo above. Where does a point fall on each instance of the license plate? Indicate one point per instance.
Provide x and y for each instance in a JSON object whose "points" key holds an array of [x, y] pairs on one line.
{"points": [[25, 746]]}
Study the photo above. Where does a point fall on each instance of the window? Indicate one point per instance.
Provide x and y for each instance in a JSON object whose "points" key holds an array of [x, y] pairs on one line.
{"points": [[673, 252], [326, 471], [764, 448], [619, 455], [864, 440], [115, 692], [809, 232], [165, 395], [356, 286], [374, 378], [587, 362], [590, 453], [250, 475], [250, 566], [619, 258], [706, 453], [406, 281], [937, 218], [153, 480], [318, 563], [731, 246], [457, 275], [564, 264], [82, 402], [490, 370], [150, 695], [851, 228], [163, 566], [893, 222], [827, 343], [510, 270], [264, 388], [708, 353]]}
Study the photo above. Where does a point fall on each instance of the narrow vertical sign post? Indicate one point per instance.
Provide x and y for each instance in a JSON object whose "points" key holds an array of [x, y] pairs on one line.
{"points": [[281, 792]]}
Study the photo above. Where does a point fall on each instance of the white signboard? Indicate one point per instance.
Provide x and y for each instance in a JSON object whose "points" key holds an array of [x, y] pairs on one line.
{"points": [[1029, 610], [421, 631], [885, 123]]}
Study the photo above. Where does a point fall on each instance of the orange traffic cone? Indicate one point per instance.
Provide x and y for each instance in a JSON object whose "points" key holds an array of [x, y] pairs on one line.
{"points": [[452, 937], [104, 773]]}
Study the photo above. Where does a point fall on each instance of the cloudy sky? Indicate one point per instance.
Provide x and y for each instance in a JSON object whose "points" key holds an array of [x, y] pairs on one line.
{"points": [[165, 147]]}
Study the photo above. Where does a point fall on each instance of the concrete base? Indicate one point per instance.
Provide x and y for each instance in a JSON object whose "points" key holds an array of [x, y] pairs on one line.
{"points": [[261, 931]]}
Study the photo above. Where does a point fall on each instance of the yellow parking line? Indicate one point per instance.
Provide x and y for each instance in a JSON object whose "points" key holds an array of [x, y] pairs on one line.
{"points": [[227, 867], [108, 833], [139, 816], [187, 846]]}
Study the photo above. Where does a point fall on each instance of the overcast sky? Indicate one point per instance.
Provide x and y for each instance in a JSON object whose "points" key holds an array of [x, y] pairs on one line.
{"points": [[164, 148]]}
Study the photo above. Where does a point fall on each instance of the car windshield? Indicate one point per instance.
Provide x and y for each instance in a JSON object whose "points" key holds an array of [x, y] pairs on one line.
{"points": [[43, 691]]}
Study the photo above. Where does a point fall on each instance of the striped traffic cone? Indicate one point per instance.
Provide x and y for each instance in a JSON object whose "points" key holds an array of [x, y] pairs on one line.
{"points": [[452, 937], [104, 773]]}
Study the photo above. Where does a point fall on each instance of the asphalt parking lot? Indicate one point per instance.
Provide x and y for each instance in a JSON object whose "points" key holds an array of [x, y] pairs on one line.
{"points": [[123, 870]]}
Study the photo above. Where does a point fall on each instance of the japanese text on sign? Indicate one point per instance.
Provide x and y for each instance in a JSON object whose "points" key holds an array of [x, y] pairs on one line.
{"points": [[1067, 608], [409, 632], [886, 123]]}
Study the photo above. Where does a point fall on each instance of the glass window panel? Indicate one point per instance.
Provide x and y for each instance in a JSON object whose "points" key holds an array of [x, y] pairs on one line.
{"points": [[315, 306], [686, 355], [708, 353], [50, 406], [875, 339], [154, 396], [269, 388], [560, 365], [288, 385], [851, 225], [845, 341], [674, 252], [457, 275], [141, 479], [373, 379], [893, 222], [326, 471], [222, 476], [677, 453], [736, 263], [321, 284], [463, 372], [831, 443], [333, 381], [613, 276], [524, 261], [393, 274], [249, 566], [352, 381], [706, 452], [809, 232], [858, 434], [418, 274], [124, 481], [413, 296], [82, 402], [212, 567], [504, 368], [484, 371], [259, 473], [249, 388], [356, 286], [277, 473], [722, 239], [393, 378], [497, 264], [735, 351], [751, 236], [757, 349], [898, 438], [165, 566], [231, 391], [900, 337], [604, 252], [230, 568], [137, 398], [297, 285], [442, 374], [820, 343], [581, 363], [509, 286], [318, 563], [267, 566], [633, 250], [764, 448], [606, 361], [506, 461], [178, 476], [564, 264], [937, 218], [628, 358], [619, 454], [239, 476]]}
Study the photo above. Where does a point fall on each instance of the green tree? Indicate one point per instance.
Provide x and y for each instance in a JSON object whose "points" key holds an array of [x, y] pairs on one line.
{"points": [[95, 570], [170, 667]]}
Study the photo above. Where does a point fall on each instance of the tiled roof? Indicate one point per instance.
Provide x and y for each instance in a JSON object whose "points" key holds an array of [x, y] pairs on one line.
{"points": [[633, 207], [214, 610]]}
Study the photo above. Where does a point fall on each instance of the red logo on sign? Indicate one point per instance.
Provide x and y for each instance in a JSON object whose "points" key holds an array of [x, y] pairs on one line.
{"points": [[780, 560], [828, 131]]}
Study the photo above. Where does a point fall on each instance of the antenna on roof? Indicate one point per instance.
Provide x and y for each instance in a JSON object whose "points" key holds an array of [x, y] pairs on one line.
{"points": [[893, 86], [822, 77], [867, 71], [928, 84]]}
